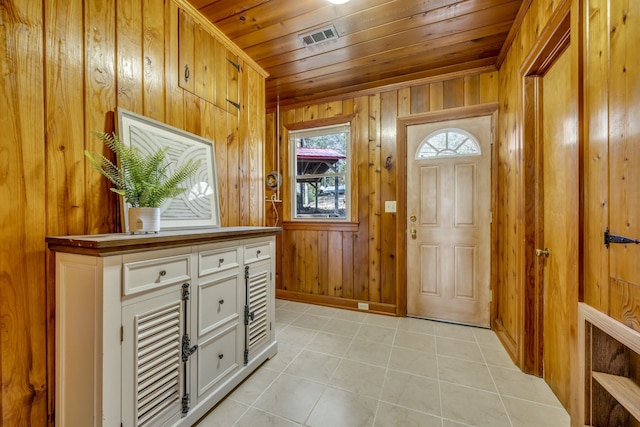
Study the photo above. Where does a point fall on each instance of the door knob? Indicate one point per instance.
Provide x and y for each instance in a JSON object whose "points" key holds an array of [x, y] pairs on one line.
{"points": [[542, 252], [414, 234]]}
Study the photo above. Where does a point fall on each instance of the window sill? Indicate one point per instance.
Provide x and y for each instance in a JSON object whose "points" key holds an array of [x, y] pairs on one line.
{"points": [[333, 225]]}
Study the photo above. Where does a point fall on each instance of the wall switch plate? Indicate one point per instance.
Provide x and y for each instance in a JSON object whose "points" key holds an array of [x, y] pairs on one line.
{"points": [[363, 306], [390, 206]]}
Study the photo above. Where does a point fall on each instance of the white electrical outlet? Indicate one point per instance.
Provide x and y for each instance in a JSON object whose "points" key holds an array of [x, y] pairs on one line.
{"points": [[390, 206], [363, 306]]}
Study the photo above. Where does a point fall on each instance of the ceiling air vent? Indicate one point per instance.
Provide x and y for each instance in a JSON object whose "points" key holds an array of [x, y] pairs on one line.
{"points": [[319, 36]]}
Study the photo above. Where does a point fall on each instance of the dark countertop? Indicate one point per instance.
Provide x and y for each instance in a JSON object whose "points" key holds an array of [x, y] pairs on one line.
{"points": [[119, 243]]}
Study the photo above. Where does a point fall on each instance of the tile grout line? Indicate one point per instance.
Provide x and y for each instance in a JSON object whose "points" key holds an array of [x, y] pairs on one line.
{"points": [[493, 380]]}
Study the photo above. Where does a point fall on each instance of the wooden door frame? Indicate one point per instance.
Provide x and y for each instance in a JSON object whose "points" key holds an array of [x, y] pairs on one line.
{"points": [[553, 41], [490, 109]]}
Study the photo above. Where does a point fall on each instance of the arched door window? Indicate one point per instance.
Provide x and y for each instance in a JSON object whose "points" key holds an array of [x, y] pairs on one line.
{"points": [[450, 142]]}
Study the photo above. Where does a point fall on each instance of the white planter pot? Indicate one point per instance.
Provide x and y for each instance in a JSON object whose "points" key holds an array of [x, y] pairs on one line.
{"points": [[144, 220]]}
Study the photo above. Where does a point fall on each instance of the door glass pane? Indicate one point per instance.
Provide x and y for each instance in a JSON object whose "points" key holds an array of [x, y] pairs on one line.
{"points": [[448, 142]]}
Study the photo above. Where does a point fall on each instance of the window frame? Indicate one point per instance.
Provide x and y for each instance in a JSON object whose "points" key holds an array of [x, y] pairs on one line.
{"points": [[469, 136], [319, 129]]}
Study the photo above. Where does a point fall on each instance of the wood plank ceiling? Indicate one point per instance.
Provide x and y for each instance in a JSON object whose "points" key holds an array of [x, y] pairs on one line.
{"points": [[380, 42]]}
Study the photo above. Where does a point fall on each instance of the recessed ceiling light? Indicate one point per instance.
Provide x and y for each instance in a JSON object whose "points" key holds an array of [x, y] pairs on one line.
{"points": [[338, 1]]}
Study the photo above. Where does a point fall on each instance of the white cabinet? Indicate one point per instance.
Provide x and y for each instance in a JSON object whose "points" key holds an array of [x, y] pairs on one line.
{"points": [[155, 330]]}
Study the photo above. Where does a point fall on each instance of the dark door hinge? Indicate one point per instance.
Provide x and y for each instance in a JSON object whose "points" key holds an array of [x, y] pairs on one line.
{"points": [[235, 104], [186, 399], [612, 238], [235, 64], [185, 291], [187, 350]]}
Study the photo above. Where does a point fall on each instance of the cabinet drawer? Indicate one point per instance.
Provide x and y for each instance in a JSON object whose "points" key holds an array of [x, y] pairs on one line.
{"points": [[214, 261], [217, 303], [257, 252], [217, 358], [140, 276]]}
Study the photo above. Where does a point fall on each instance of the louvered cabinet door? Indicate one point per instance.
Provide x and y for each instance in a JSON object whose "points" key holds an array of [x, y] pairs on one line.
{"points": [[152, 369], [258, 317]]}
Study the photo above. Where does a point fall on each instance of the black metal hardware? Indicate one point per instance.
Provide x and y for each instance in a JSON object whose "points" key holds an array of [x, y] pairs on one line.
{"points": [[187, 350], [246, 273], [612, 238], [185, 403], [163, 273], [221, 301], [246, 315], [246, 356], [235, 65], [220, 356], [187, 73], [235, 104], [185, 291]]}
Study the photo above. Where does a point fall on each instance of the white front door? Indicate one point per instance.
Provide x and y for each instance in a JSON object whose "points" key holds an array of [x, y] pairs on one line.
{"points": [[449, 220]]}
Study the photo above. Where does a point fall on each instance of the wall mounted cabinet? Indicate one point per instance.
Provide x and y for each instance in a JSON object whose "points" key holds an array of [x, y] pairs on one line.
{"points": [[154, 330], [207, 68]]}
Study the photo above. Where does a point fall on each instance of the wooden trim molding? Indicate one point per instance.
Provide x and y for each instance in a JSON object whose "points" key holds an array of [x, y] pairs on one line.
{"points": [[320, 226], [329, 301], [329, 121], [515, 27], [553, 41]]}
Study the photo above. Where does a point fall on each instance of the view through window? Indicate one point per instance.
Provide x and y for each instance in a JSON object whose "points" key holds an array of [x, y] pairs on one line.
{"points": [[321, 167]]}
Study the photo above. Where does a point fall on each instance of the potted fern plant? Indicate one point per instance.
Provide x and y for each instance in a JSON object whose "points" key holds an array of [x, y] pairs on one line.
{"points": [[144, 181]]}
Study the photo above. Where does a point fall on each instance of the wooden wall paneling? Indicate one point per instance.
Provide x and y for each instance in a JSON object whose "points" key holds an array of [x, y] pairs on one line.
{"points": [[488, 88], [192, 119], [507, 289], [404, 101], [453, 93], [387, 236], [436, 96], [129, 37], [348, 259], [221, 67], [366, 122], [289, 249], [253, 101], [312, 260], [186, 51], [174, 102], [204, 64], [233, 82], [596, 151], [300, 263], [329, 109], [420, 98], [233, 169], [347, 106], [153, 59], [244, 154], [624, 299], [624, 155], [64, 111], [100, 97], [374, 191], [222, 162], [324, 255], [23, 295], [472, 90], [334, 263]]}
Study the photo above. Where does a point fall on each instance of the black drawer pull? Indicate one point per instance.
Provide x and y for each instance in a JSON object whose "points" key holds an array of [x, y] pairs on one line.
{"points": [[163, 273], [220, 356], [221, 302]]}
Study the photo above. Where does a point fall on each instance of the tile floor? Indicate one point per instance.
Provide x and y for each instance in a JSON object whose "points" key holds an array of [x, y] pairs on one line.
{"points": [[338, 368]]}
